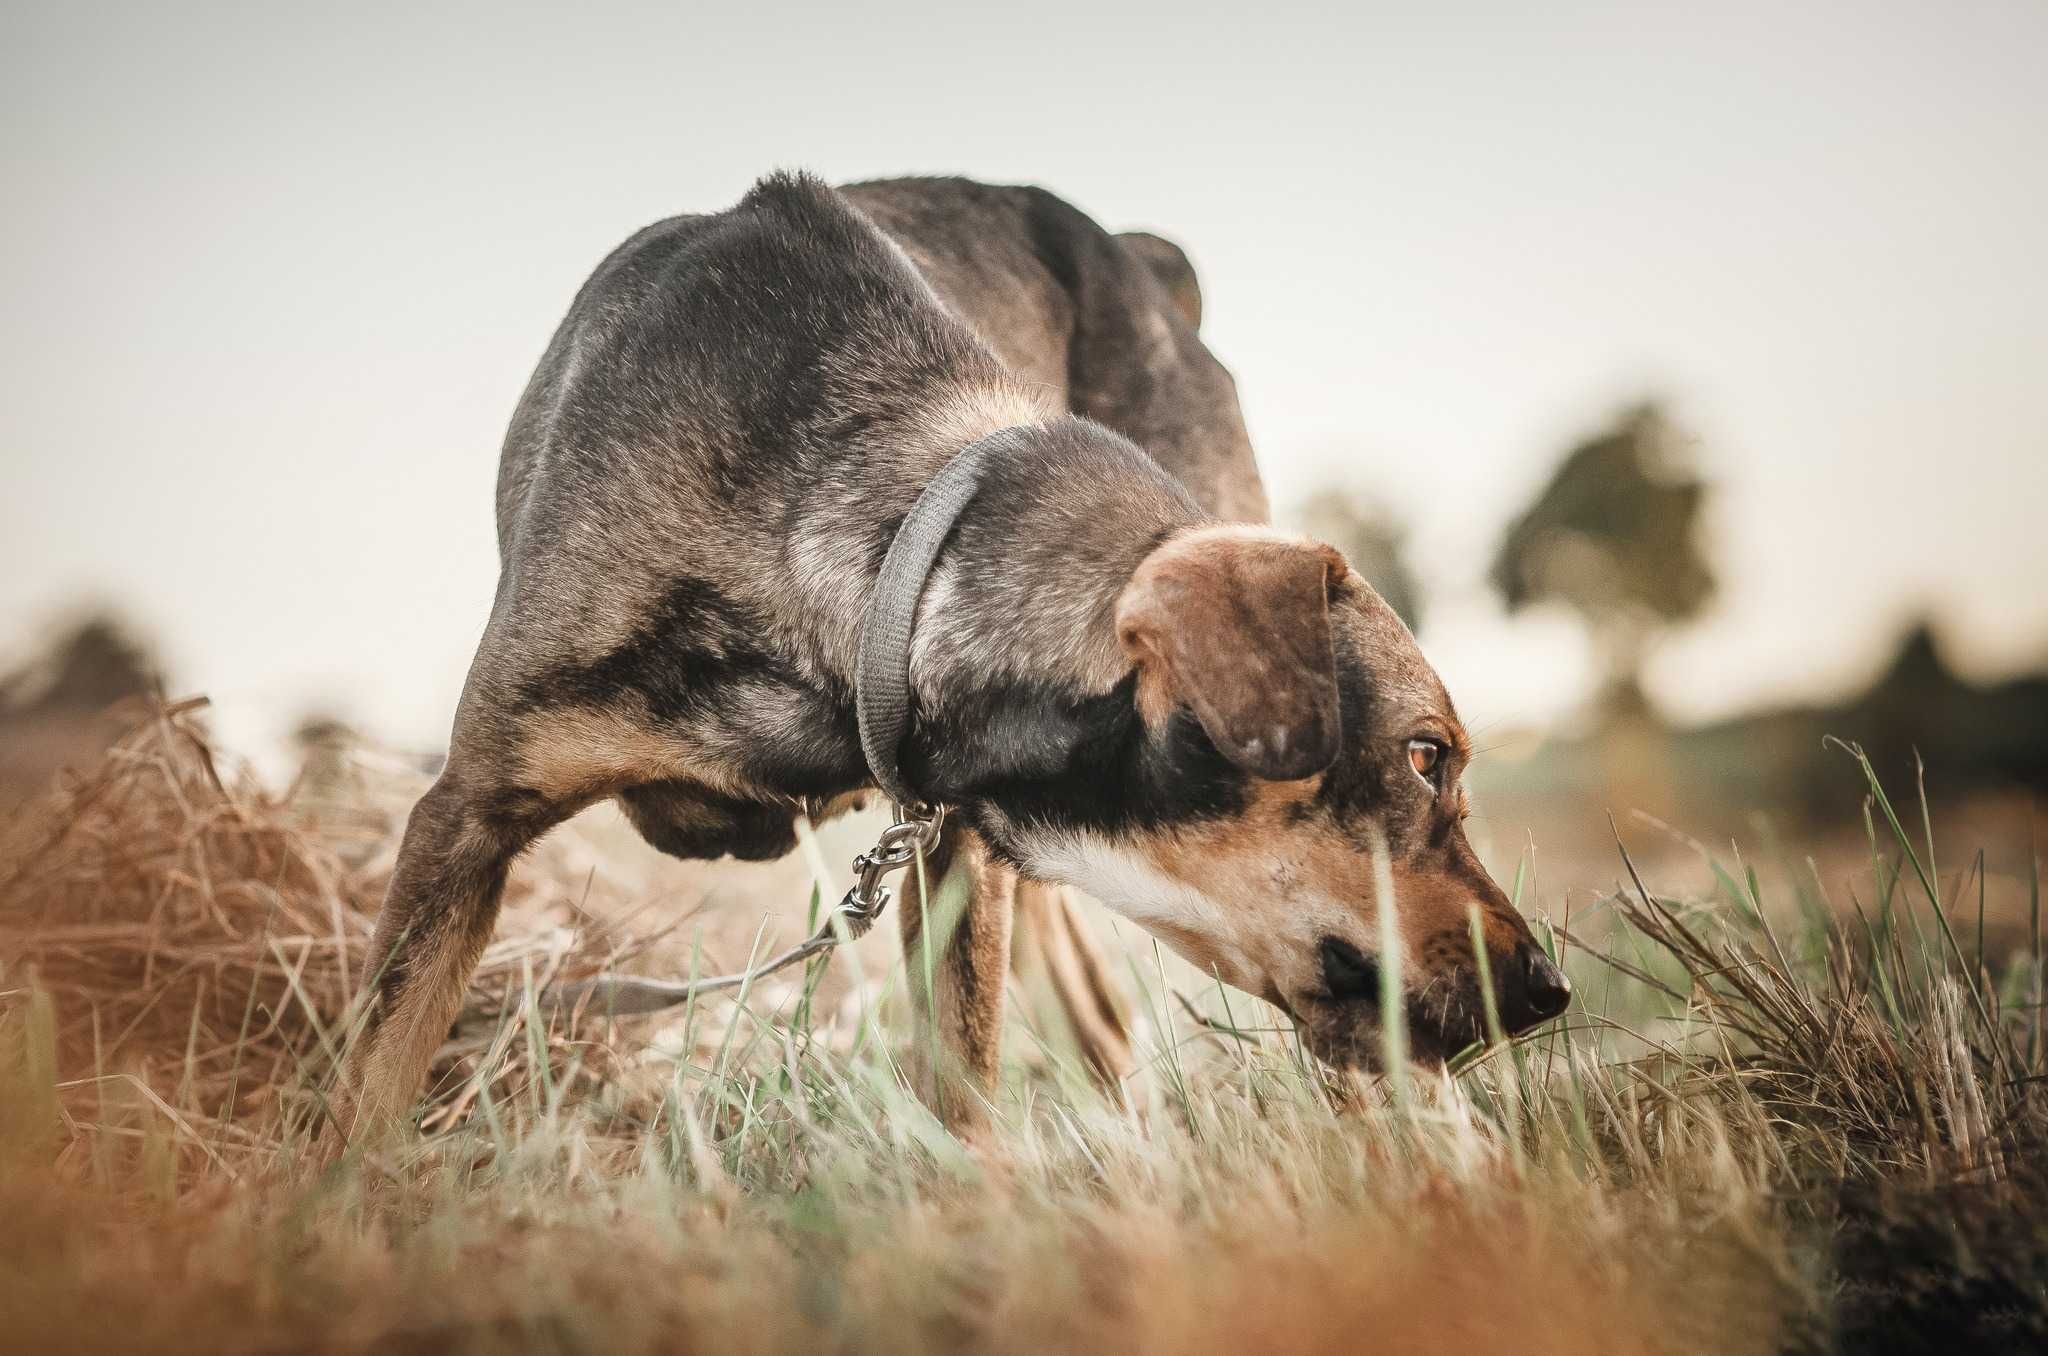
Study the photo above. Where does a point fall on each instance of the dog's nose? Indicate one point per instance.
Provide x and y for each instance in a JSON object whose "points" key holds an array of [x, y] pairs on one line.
{"points": [[1545, 990], [1533, 989]]}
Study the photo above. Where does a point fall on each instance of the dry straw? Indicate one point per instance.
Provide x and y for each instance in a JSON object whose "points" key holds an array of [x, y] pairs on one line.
{"points": [[202, 940]]}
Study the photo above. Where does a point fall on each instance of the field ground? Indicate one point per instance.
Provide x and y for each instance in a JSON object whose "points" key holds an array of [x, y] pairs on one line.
{"points": [[1797, 1107]]}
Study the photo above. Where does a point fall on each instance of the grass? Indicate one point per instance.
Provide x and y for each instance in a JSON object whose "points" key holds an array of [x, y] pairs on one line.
{"points": [[1799, 1124]]}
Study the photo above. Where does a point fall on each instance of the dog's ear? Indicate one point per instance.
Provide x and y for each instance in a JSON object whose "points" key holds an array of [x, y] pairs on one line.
{"points": [[1234, 622], [1168, 263]]}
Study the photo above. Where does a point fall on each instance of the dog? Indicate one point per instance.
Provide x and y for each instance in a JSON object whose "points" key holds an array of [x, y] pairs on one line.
{"points": [[1120, 680]]}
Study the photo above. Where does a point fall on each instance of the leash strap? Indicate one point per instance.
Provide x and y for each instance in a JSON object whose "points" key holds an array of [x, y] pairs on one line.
{"points": [[882, 673]]}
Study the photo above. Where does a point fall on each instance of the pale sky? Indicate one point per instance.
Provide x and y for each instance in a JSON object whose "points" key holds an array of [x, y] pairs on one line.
{"points": [[270, 284]]}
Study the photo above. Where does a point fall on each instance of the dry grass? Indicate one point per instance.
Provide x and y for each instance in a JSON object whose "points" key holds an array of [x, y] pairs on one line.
{"points": [[200, 941], [1765, 1128]]}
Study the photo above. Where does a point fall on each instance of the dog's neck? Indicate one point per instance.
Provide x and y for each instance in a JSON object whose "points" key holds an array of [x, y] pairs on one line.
{"points": [[1027, 586], [1017, 617]]}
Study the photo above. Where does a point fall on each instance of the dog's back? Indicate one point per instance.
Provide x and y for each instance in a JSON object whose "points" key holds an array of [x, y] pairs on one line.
{"points": [[1103, 325], [724, 355], [721, 388], [1109, 323]]}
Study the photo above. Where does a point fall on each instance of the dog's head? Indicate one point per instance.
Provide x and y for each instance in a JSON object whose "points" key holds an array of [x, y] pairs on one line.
{"points": [[1295, 746]]}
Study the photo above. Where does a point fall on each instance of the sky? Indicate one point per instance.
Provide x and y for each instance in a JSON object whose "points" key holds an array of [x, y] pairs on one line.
{"points": [[271, 282]]}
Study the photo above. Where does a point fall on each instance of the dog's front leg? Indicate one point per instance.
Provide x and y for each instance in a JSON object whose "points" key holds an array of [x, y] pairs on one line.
{"points": [[956, 916], [1053, 939]]}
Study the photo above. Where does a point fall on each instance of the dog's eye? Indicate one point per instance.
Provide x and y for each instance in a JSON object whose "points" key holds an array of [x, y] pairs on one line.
{"points": [[1426, 756]]}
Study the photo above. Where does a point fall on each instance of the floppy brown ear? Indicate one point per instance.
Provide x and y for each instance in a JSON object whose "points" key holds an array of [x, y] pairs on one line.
{"points": [[1235, 622]]}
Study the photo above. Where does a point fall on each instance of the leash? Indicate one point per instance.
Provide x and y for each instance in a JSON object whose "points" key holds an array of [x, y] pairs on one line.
{"points": [[882, 705], [914, 833]]}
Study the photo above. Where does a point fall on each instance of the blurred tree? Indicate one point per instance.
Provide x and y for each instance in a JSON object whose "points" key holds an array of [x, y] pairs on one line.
{"points": [[1615, 537], [1372, 541], [54, 709], [90, 667]]}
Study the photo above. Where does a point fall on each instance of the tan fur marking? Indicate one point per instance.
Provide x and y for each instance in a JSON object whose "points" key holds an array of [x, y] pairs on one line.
{"points": [[580, 753], [1155, 696], [403, 1045], [848, 803], [1271, 868], [970, 968]]}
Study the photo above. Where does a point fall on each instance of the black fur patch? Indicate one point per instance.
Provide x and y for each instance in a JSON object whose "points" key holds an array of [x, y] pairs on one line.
{"points": [[1354, 785], [698, 659], [1046, 756], [695, 643]]}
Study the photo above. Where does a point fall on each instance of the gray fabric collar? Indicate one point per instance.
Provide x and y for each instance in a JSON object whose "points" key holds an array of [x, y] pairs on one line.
{"points": [[882, 675]]}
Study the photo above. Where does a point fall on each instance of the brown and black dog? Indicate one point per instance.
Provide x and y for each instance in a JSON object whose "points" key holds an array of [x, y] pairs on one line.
{"points": [[1117, 681]]}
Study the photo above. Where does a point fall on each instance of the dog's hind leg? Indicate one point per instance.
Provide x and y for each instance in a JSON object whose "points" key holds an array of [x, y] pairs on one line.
{"points": [[1053, 937], [956, 940], [438, 914], [509, 779]]}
